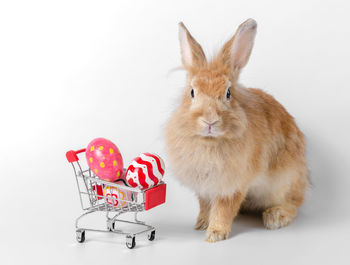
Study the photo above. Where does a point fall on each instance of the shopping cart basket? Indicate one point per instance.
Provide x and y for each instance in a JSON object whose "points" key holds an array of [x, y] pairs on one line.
{"points": [[97, 195]]}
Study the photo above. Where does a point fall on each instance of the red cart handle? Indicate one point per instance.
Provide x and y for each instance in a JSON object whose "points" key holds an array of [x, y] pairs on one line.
{"points": [[72, 155]]}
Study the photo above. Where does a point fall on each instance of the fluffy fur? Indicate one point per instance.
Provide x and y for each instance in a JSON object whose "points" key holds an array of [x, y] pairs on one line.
{"points": [[238, 151]]}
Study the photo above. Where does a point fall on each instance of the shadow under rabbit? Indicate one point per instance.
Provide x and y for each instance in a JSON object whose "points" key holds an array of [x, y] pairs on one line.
{"points": [[321, 198]]}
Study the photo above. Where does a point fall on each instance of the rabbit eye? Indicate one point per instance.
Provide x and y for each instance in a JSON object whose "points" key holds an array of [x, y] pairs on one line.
{"points": [[192, 93], [228, 94]]}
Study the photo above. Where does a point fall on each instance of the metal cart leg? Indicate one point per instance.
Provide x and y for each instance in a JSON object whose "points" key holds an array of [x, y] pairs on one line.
{"points": [[111, 222], [136, 220]]}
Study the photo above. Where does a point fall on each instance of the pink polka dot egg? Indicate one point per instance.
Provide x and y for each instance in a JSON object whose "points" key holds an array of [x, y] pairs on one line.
{"points": [[104, 159]]}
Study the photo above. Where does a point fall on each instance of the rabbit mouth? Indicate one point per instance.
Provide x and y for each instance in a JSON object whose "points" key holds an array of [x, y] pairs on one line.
{"points": [[209, 128], [210, 131]]}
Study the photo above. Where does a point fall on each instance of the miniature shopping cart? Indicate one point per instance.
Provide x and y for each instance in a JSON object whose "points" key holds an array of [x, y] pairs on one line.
{"points": [[94, 198]]}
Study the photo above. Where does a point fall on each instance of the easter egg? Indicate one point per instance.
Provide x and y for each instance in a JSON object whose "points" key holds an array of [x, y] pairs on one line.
{"points": [[114, 196], [118, 196], [145, 171], [104, 159]]}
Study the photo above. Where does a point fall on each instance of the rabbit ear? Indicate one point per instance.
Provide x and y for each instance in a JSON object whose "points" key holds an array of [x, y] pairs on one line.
{"points": [[191, 52], [237, 50]]}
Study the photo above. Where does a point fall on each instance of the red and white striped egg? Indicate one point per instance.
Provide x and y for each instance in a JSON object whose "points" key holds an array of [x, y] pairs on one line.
{"points": [[145, 171]]}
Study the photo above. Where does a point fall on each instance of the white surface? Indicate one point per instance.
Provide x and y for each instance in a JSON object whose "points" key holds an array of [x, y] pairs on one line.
{"points": [[71, 71]]}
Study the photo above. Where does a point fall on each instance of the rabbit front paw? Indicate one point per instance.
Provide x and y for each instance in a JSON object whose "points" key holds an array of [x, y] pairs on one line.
{"points": [[278, 216], [214, 234]]}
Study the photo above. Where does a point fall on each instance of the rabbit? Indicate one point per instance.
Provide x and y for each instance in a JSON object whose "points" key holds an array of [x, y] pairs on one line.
{"points": [[237, 148]]}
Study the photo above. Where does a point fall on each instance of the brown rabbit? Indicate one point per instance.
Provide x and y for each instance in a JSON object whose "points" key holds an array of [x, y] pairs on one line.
{"points": [[236, 147]]}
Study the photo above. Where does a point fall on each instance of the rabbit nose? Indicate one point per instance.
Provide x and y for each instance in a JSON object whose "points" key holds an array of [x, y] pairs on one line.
{"points": [[210, 123]]}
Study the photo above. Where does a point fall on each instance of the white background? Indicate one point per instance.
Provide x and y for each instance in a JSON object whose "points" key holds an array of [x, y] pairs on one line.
{"points": [[71, 71]]}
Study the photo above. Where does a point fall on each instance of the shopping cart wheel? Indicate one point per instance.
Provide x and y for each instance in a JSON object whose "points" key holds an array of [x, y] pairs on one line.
{"points": [[111, 228], [152, 236], [80, 235], [130, 241]]}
